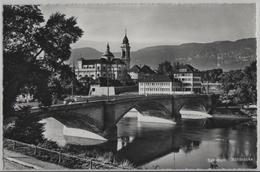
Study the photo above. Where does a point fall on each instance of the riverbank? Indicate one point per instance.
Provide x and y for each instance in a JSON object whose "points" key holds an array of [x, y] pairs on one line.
{"points": [[232, 116], [242, 109]]}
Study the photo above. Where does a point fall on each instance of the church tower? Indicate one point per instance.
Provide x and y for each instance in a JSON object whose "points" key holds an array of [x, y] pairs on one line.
{"points": [[125, 55]]}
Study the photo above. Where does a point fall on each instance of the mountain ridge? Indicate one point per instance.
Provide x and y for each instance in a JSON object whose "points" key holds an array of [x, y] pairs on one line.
{"points": [[228, 55]]}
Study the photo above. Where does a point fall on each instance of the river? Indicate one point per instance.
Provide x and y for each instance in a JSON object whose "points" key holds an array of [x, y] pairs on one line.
{"points": [[167, 146]]}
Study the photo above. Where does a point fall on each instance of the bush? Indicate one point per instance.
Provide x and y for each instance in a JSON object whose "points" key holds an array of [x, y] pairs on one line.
{"points": [[49, 144], [25, 129]]}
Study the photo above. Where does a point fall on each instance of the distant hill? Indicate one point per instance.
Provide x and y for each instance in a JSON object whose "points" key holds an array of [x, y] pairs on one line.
{"points": [[86, 53], [227, 55]]}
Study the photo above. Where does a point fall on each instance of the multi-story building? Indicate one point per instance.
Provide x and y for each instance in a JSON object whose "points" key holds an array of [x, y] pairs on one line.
{"points": [[107, 65], [186, 80], [190, 78], [158, 84]]}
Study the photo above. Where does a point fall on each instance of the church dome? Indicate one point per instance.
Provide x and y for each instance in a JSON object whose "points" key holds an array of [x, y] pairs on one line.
{"points": [[108, 54]]}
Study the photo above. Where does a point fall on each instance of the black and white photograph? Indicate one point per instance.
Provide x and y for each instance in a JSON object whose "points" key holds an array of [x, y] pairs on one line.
{"points": [[129, 86]]}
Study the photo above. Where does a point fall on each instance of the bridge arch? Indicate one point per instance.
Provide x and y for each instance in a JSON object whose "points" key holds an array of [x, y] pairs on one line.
{"points": [[200, 106], [203, 101], [142, 106]]}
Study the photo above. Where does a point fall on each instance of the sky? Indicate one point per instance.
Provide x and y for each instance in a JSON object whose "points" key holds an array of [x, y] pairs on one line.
{"points": [[158, 24]]}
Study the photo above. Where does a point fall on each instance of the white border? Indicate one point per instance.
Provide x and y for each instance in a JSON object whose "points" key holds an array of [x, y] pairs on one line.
{"points": [[69, 2]]}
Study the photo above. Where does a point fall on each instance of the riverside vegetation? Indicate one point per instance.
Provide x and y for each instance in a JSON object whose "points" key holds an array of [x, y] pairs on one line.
{"points": [[31, 132]]}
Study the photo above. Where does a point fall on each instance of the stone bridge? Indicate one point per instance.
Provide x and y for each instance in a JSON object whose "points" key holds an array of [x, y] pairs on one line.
{"points": [[100, 116]]}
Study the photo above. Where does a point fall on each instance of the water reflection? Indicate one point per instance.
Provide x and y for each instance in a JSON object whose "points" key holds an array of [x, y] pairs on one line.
{"points": [[150, 145], [124, 141]]}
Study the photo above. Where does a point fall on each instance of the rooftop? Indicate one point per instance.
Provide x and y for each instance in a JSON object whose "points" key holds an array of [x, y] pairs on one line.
{"points": [[101, 61], [146, 69], [135, 69], [188, 68], [94, 61], [154, 78], [125, 40]]}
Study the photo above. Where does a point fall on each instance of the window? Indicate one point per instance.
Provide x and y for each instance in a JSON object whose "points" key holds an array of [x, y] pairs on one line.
{"points": [[183, 70]]}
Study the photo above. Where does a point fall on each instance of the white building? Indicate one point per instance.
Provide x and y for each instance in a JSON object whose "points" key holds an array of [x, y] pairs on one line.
{"points": [[158, 84], [102, 90], [95, 68], [97, 90], [190, 78], [186, 80], [107, 65]]}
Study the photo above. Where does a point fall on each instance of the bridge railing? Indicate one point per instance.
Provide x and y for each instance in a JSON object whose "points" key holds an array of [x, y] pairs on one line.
{"points": [[62, 159], [104, 99]]}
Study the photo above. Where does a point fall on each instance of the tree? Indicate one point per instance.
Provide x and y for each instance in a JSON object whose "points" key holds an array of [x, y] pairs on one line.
{"points": [[211, 75], [25, 130], [84, 85], [247, 85], [165, 68], [230, 80], [34, 53], [243, 82]]}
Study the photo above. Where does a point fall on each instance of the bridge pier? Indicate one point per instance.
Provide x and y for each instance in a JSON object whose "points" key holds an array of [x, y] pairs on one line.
{"points": [[175, 110], [109, 117], [110, 133], [176, 116]]}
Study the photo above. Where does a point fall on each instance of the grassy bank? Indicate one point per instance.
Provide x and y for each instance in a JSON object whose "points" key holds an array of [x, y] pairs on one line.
{"points": [[49, 151]]}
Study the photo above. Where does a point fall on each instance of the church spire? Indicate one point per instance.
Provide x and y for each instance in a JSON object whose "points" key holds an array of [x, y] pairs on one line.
{"points": [[108, 48], [125, 40]]}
